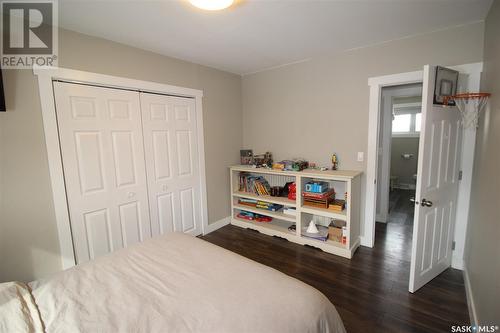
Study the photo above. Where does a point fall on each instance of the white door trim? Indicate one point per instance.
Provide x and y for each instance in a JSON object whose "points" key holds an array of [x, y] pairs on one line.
{"points": [[46, 75], [376, 84]]}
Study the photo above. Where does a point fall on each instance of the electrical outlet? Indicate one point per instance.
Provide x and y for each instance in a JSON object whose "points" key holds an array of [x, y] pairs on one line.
{"points": [[361, 156]]}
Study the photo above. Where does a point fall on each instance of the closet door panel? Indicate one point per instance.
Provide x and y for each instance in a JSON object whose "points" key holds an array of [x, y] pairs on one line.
{"points": [[103, 159], [170, 137]]}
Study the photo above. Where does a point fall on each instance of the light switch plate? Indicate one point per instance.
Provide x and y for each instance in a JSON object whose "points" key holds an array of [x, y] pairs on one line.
{"points": [[361, 156]]}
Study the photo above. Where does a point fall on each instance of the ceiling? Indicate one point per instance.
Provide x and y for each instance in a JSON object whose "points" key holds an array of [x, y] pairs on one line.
{"points": [[255, 35]]}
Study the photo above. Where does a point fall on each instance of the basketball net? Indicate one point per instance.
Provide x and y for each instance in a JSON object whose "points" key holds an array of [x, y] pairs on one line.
{"points": [[470, 106]]}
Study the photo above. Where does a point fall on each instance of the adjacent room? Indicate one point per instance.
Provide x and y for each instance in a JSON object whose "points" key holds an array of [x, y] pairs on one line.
{"points": [[249, 166]]}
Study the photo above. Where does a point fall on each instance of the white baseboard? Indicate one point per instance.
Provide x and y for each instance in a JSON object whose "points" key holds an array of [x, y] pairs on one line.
{"points": [[457, 263], [381, 218], [218, 224], [365, 241], [470, 297]]}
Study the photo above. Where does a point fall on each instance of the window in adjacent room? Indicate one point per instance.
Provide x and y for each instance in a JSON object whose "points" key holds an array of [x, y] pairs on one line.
{"points": [[406, 119]]}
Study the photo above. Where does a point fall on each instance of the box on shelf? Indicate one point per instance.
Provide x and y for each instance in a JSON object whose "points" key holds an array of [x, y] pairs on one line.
{"points": [[317, 200], [335, 234], [337, 205], [335, 230], [317, 187]]}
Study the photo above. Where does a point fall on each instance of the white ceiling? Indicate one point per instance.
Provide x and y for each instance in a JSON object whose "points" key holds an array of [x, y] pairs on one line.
{"points": [[255, 35]]}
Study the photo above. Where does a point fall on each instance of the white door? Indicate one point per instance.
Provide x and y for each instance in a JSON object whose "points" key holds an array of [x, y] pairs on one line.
{"points": [[437, 187], [170, 144], [103, 159]]}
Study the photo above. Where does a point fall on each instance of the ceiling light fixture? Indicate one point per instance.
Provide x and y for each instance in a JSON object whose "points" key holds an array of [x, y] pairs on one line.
{"points": [[211, 4]]}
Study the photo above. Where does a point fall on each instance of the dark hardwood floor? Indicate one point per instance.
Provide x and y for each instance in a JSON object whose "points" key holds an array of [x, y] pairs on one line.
{"points": [[370, 291]]}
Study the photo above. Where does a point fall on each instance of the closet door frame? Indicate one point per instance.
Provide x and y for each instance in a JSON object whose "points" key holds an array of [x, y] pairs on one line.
{"points": [[46, 76]]}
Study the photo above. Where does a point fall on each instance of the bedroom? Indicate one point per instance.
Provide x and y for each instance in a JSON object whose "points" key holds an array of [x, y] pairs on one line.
{"points": [[301, 91]]}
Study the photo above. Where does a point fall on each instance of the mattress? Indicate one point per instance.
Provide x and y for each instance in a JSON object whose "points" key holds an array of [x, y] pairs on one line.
{"points": [[179, 283]]}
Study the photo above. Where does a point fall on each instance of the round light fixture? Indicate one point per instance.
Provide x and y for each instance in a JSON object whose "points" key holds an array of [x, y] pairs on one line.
{"points": [[211, 4]]}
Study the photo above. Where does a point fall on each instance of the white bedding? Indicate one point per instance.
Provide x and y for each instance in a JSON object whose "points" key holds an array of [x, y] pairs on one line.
{"points": [[178, 283], [18, 312]]}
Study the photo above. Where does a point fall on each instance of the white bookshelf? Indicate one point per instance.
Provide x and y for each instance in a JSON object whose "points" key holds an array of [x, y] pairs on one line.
{"points": [[342, 181]]}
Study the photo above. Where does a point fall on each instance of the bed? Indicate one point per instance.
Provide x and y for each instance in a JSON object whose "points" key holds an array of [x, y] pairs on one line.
{"points": [[173, 283]]}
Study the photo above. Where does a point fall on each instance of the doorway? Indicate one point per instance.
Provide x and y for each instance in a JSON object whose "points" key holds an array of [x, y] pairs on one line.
{"points": [[399, 124], [441, 192]]}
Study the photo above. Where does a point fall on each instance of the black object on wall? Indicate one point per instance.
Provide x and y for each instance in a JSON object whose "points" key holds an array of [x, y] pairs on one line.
{"points": [[2, 95]]}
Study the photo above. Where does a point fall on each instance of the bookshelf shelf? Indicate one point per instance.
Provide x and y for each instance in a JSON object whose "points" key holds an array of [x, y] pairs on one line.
{"points": [[275, 225], [342, 181], [328, 242], [276, 215], [325, 212], [267, 198]]}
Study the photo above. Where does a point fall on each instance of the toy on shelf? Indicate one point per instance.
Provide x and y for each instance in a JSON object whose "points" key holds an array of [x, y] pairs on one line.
{"points": [[291, 165], [335, 162], [317, 187], [292, 191], [246, 156], [253, 217], [263, 160], [344, 235], [279, 166]]}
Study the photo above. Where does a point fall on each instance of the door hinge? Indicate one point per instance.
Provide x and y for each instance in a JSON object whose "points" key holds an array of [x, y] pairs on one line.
{"points": [[453, 245], [460, 173]]}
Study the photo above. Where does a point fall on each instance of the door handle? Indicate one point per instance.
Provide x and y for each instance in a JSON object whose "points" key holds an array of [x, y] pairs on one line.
{"points": [[426, 203], [413, 200], [130, 194]]}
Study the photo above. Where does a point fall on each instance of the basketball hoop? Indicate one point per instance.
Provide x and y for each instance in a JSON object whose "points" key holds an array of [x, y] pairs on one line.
{"points": [[470, 106]]}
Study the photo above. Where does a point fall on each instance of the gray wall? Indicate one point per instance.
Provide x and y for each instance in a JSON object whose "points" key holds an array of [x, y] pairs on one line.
{"points": [[482, 257], [314, 108], [29, 247], [404, 169]]}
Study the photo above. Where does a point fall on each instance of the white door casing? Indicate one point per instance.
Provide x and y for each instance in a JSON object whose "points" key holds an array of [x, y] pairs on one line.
{"points": [[438, 168], [171, 153], [103, 159]]}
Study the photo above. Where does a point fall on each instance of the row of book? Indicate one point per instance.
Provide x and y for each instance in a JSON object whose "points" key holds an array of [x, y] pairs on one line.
{"points": [[260, 204], [269, 206], [254, 184]]}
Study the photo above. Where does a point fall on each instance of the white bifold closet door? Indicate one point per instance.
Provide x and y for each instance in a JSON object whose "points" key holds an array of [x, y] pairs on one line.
{"points": [[171, 151], [103, 159], [130, 164]]}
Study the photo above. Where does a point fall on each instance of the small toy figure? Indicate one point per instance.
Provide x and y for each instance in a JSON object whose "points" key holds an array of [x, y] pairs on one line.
{"points": [[335, 162]]}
